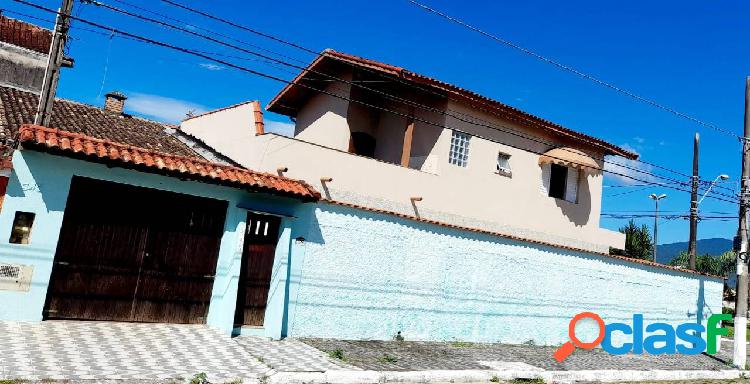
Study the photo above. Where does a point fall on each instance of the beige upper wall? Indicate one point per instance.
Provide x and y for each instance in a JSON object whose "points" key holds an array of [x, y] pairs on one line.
{"points": [[474, 196]]}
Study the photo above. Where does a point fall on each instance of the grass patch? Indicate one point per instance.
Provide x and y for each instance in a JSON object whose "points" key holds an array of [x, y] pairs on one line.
{"points": [[494, 379], [527, 381], [461, 344], [386, 358], [337, 354]]}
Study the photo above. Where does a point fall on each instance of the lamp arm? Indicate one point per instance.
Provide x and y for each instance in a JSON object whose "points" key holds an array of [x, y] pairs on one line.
{"points": [[708, 190]]}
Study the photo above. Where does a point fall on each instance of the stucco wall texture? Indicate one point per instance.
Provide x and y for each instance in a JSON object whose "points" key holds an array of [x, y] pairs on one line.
{"points": [[369, 275]]}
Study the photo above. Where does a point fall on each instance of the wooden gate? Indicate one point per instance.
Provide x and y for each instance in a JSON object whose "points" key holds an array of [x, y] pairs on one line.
{"points": [[261, 237], [134, 254]]}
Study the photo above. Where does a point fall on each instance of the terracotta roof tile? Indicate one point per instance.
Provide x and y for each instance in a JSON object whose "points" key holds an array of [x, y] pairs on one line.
{"points": [[19, 107], [51, 139]]}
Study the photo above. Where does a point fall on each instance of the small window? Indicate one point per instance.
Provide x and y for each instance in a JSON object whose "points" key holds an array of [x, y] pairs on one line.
{"points": [[459, 153], [558, 181], [21, 232], [503, 163]]}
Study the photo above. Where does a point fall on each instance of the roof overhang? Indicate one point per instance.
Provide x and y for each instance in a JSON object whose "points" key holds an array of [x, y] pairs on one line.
{"points": [[295, 94], [570, 157], [88, 148]]}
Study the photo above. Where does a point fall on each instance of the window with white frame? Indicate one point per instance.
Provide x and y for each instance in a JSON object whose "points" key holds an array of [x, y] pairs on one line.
{"points": [[503, 163], [459, 153]]}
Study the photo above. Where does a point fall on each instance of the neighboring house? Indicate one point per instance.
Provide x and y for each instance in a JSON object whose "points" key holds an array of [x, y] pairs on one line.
{"points": [[23, 54], [444, 231], [112, 217], [468, 160]]}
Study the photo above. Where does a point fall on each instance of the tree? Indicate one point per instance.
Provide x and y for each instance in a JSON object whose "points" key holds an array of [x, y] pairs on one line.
{"points": [[638, 243], [721, 265]]}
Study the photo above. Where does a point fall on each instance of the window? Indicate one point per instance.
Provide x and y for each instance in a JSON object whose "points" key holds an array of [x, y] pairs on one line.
{"points": [[558, 180], [503, 163], [21, 232], [459, 154]]}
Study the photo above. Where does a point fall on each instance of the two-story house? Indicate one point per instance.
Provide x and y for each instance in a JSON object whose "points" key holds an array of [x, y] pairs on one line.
{"points": [[395, 140], [445, 214]]}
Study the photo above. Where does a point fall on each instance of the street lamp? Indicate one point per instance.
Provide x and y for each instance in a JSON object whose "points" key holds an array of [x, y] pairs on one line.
{"points": [[656, 199]]}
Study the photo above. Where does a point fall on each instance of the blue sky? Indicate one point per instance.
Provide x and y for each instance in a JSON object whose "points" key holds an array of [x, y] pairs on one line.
{"points": [[690, 55]]}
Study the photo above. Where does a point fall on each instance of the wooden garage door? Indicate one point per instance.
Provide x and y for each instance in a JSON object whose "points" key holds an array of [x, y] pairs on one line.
{"points": [[135, 254]]}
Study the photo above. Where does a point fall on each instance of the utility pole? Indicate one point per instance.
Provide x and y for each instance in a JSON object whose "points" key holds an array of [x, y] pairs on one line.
{"points": [[693, 244], [741, 246], [54, 62]]}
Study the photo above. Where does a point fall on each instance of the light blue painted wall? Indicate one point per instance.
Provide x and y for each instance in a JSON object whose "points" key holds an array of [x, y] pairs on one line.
{"points": [[40, 183], [346, 273], [364, 275]]}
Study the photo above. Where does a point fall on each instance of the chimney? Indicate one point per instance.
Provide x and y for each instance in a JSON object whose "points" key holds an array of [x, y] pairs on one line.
{"points": [[115, 102]]}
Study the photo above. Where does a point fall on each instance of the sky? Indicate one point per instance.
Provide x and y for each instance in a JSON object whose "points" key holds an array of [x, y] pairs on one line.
{"points": [[692, 56]]}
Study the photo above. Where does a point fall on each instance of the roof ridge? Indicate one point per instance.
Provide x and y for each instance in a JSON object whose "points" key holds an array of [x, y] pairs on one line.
{"points": [[100, 109], [220, 109]]}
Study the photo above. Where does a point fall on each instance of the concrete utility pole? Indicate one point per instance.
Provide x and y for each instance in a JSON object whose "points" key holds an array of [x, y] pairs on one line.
{"points": [[54, 62], [694, 205], [656, 219], [740, 307]]}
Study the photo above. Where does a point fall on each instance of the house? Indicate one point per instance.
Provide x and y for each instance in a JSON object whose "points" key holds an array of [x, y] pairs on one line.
{"points": [[111, 217], [451, 155], [454, 218], [445, 215], [23, 54]]}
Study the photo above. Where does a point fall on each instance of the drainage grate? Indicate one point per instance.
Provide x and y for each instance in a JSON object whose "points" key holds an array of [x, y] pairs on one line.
{"points": [[10, 272]]}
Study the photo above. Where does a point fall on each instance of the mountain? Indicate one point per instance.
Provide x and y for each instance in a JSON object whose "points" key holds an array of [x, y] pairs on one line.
{"points": [[717, 246]]}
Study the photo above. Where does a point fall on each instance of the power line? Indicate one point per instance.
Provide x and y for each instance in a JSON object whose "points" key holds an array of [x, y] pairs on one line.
{"points": [[189, 25], [272, 77], [409, 102], [404, 81], [574, 71]]}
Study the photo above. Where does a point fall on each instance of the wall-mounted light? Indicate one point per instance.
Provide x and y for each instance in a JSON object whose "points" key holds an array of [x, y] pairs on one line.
{"points": [[416, 198], [282, 169], [21, 230], [326, 179]]}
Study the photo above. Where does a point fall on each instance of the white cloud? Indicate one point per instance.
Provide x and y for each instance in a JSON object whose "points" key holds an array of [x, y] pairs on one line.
{"points": [[281, 128], [625, 171], [639, 140], [161, 108], [211, 67]]}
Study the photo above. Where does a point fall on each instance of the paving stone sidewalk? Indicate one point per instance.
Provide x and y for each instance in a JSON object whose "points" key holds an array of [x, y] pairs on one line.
{"points": [[290, 355], [418, 356], [77, 350]]}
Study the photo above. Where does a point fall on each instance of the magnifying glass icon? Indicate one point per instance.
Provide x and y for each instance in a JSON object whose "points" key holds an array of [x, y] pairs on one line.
{"points": [[566, 349]]}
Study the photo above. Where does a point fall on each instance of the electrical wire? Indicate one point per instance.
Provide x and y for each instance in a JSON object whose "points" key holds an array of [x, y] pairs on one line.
{"points": [[574, 70], [393, 97], [403, 81], [275, 78]]}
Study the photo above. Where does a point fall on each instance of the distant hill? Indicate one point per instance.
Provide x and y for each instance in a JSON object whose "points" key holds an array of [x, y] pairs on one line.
{"points": [[667, 252]]}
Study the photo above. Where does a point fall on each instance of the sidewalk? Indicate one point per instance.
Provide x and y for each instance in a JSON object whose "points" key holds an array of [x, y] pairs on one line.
{"points": [[165, 353]]}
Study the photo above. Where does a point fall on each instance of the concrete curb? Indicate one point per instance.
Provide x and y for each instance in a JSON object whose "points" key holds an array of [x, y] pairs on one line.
{"points": [[473, 376]]}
